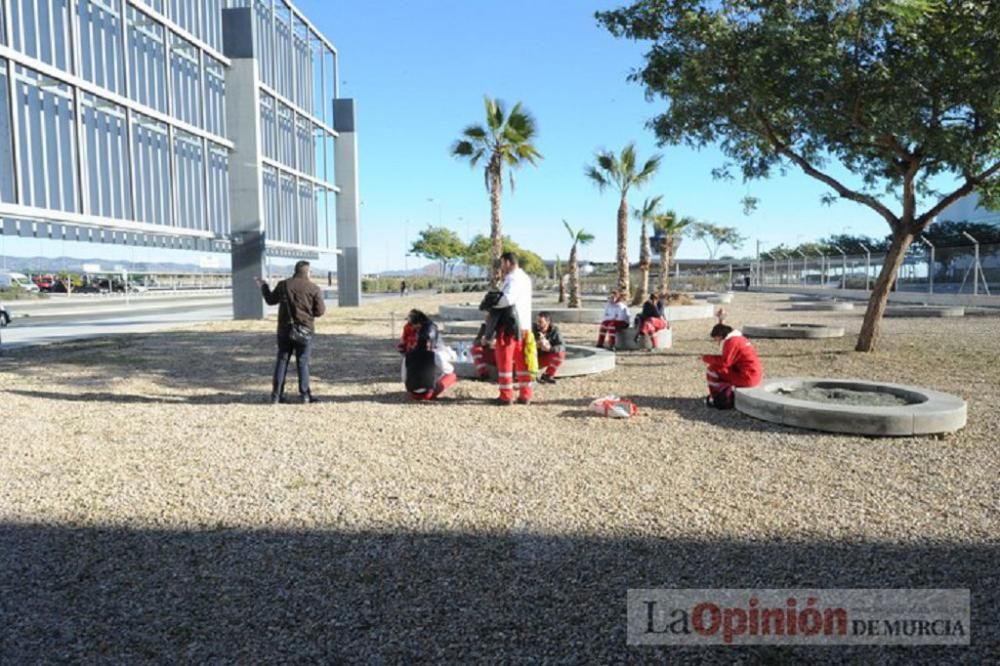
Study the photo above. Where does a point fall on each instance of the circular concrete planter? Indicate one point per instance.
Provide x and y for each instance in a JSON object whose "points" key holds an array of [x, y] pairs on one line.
{"points": [[809, 298], [823, 306], [794, 331], [626, 340], [927, 411], [924, 311], [579, 361], [720, 298], [462, 328]]}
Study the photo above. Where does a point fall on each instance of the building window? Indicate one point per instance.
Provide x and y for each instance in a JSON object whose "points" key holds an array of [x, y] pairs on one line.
{"points": [[218, 190], [3, 23], [215, 96], [46, 141], [288, 228], [211, 23], [105, 142], [151, 159], [303, 65], [268, 127], [264, 40], [147, 61], [307, 213], [155, 4], [286, 136], [185, 80], [40, 29], [7, 194], [272, 209], [306, 149], [284, 54], [190, 164], [100, 44]]}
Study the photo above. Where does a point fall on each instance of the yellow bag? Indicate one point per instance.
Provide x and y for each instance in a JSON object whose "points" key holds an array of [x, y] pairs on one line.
{"points": [[530, 353]]}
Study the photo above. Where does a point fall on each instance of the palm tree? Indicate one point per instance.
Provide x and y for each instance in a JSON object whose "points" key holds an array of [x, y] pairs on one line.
{"points": [[580, 237], [620, 172], [562, 282], [645, 215], [505, 141], [671, 229]]}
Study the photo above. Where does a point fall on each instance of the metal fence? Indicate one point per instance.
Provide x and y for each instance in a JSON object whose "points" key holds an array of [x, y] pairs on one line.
{"points": [[961, 269]]}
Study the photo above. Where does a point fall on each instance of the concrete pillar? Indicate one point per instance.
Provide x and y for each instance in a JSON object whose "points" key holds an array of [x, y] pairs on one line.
{"points": [[346, 174], [246, 186]]}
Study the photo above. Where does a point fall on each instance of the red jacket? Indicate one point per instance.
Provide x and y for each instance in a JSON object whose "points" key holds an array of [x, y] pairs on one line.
{"points": [[738, 362]]}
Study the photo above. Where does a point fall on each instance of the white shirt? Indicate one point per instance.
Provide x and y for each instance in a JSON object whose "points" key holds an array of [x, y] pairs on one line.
{"points": [[517, 292], [616, 312]]}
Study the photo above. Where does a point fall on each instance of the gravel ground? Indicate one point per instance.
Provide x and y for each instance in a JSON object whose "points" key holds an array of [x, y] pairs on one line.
{"points": [[153, 508]]}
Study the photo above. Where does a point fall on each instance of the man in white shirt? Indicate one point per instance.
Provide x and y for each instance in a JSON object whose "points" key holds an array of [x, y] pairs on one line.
{"points": [[511, 365]]}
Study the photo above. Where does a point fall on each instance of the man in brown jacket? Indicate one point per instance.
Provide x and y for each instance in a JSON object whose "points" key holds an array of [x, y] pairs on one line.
{"points": [[300, 301]]}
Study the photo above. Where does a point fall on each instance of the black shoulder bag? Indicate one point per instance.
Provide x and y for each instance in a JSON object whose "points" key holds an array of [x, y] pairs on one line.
{"points": [[298, 333]]}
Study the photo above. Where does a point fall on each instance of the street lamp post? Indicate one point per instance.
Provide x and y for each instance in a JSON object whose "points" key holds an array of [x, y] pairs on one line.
{"points": [[930, 264], [868, 266], [843, 268]]}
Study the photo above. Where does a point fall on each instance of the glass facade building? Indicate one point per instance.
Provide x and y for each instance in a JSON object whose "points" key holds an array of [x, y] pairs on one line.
{"points": [[114, 123]]}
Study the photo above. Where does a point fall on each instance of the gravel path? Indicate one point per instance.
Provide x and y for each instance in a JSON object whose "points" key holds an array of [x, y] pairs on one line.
{"points": [[152, 507]]}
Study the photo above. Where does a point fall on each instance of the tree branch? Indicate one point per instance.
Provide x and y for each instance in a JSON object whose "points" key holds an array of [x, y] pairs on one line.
{"points": [[837, 186], [970, 184]]}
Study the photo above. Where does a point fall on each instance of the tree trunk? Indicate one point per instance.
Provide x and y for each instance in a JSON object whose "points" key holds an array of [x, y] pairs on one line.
{"points": [[562, 286], [666, 252], [496, 231], [622, 256], [871, 327], [645, 263], [574, 279]]}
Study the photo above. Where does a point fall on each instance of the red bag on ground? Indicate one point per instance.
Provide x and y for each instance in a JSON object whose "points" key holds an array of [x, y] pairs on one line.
{"points": [[614, 407]]}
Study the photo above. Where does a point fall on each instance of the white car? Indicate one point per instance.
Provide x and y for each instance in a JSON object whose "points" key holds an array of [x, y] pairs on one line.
{"points": [[17, 281]]}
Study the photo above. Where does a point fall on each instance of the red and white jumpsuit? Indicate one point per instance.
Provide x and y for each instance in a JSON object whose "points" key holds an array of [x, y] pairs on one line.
{"points": [[738, 366]]}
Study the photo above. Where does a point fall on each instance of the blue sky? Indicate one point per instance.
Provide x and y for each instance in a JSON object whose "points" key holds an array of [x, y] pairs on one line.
{"points": [[419, 70]]}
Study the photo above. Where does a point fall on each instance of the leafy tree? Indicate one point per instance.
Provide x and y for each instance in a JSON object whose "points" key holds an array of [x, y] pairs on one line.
{"points": [[439, 244], [901, 94], [622, 173], [479, 253], [645, 215], [716, 237], [579, 237], [855, 245], [505, 141], [670, 229]]}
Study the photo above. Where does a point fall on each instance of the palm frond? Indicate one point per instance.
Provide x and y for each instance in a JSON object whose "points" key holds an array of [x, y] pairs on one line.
{"points": [[475, 133], [648, 169], [596, 176], [463, 149], [628, 160], [584, 238], [569, 229]]}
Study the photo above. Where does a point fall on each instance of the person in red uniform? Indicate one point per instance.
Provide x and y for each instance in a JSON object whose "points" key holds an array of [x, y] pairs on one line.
{"points": [[482, 353], [427, 368], [551, 349], [650, 321], [738, 366], [616, 320]]}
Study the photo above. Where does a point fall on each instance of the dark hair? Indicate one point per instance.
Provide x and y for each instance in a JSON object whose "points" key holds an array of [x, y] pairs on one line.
{"points": [[301, 266], [721, 331], [509, 256], [417, 317], [545, 315]]}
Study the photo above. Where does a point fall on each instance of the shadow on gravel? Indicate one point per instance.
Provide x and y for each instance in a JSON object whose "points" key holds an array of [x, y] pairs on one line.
{"points": [[228, 362], [124, 595]]}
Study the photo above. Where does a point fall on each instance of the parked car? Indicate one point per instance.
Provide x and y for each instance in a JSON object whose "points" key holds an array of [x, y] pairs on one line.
{"points": [[4, 317], [17, 281], [44, 282]]}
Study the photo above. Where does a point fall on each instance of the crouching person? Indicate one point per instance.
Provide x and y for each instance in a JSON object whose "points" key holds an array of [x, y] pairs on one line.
{"points": [[738, 366], [482, 351], [616, 319], [650, 321], [428, 369], [551, 349]]}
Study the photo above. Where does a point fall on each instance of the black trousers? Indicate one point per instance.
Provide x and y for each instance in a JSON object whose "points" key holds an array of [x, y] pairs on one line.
{"points": [[302, 351]]}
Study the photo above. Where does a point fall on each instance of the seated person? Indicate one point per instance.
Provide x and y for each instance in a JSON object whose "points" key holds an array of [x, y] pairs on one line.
{"points": [[427, 362], [738, 366], [651, 319], [616, 318], [551, 350]]}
